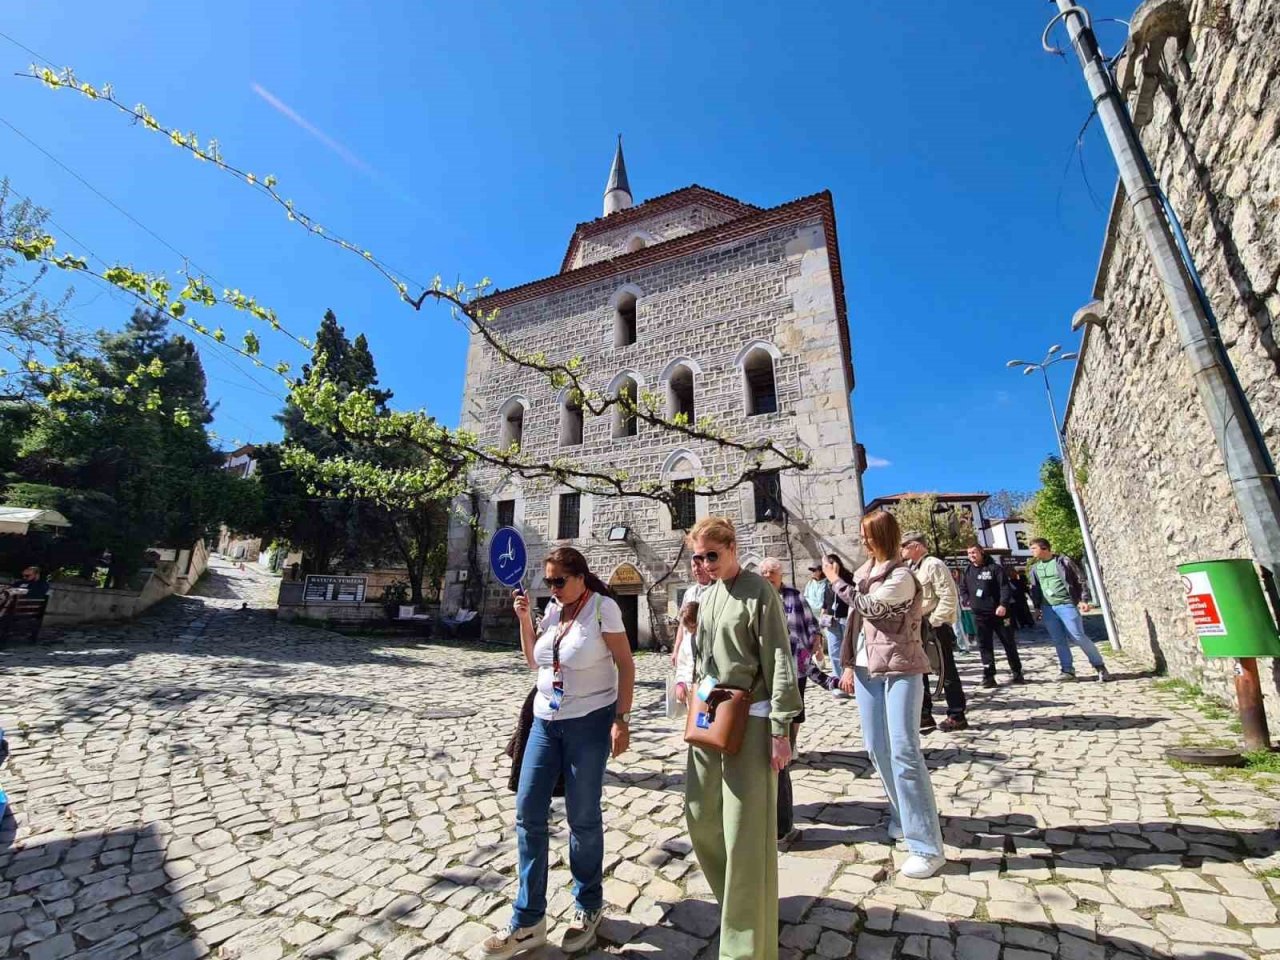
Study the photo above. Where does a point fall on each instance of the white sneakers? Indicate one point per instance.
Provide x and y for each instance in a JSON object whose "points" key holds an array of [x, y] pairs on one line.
{"points": [[513, 940], [917, 867], [582, 932]]}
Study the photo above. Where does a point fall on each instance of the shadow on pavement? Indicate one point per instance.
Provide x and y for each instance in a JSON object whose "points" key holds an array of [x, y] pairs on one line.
{"points": [[836, 927], [97, 893], [935, 757], [1077, 721]]}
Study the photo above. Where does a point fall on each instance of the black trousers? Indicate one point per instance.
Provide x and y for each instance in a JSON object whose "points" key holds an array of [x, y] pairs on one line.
{"points": [[786, 811], [951, 687], [989, 626]]}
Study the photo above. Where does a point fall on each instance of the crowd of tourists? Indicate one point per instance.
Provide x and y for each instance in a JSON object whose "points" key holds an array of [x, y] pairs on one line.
{"points": [[746, 647]]}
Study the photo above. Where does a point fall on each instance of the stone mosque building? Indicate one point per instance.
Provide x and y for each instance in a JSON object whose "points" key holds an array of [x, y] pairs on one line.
{"points": [[727, 310]]}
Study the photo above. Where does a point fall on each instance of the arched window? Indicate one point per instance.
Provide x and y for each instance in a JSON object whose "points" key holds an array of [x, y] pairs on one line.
{"points": [[680, 394], [511, 423], [639, 240], [624, 315], [681, 472], [570, 419], [626, 388], [759, 387]]}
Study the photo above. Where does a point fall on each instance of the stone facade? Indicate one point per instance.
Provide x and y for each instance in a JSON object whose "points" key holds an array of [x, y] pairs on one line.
{"points": [[1207, 99], [712, 285], [679, 222]]}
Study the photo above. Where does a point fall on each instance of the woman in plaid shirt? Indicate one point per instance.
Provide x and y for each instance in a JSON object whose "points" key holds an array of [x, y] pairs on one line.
{"points": [[806, 639]]}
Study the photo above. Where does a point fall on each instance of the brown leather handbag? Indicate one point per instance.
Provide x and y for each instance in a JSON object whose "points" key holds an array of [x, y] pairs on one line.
{"points": [[718, 723]]}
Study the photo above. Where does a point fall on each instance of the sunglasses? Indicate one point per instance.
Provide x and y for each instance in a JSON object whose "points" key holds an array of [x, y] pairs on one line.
{"points": [[555, 582], [710, 556]]}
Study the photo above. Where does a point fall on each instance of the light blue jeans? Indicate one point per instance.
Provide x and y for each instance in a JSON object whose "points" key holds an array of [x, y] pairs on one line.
{"points": [[889, 708], [1063, 622], [578, 749], [835, 639]]}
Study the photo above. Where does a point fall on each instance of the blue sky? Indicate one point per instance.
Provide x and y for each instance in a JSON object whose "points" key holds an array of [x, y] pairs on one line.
{"points": [[469, 139]]}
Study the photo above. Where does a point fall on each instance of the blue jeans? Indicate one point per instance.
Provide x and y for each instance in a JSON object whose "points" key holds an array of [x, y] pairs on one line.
{"points": [[835, 639], [889, 708], [1063, 622], [579, 749]]}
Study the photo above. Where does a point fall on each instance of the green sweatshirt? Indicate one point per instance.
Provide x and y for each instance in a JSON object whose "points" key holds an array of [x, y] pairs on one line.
{"points": [[742, 640]]}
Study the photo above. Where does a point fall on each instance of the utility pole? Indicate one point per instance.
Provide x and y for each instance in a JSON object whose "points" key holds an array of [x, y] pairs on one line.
{"points": [[1248, 462], [1068, 475]]}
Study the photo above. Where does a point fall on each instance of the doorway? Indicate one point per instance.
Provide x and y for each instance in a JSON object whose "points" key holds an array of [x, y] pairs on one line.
{"points": [[630, 605]]}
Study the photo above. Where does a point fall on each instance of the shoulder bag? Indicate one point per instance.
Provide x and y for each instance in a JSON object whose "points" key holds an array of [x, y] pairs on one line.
{"points": [[718, 723]]}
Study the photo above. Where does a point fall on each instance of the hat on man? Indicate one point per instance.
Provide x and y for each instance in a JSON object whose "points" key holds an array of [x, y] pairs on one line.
{"points": [[914, 536], [815, 567]]}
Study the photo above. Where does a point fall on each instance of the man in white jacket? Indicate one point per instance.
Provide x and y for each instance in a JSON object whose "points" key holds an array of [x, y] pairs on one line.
{"points": [[941, 607]]}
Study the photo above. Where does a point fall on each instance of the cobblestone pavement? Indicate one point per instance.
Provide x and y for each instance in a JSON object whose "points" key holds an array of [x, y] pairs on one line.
{"points": [[209, 783]]}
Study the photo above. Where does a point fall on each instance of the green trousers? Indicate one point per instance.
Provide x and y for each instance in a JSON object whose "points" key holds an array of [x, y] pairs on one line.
{"points": [[731, 804]]}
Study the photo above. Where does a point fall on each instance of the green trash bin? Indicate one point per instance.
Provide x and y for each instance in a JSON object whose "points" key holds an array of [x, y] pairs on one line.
{"points": [[1230, 613]]}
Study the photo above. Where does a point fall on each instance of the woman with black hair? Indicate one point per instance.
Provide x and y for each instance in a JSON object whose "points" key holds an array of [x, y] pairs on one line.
{"points": [[581, 716], [835, 614]]}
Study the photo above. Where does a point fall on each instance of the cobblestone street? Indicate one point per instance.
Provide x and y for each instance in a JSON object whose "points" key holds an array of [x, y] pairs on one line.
{"points": [[209, 783]]}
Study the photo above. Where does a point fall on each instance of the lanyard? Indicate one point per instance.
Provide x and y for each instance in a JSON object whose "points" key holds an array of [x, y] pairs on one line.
{"points": [[557, 678], [715, 621]]}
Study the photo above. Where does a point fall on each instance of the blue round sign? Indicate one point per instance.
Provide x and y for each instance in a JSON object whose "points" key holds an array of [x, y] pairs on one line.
{"points": [[507, 556]]}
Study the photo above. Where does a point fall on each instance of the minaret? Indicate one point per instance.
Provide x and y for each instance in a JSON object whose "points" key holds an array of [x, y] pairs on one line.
{"points": [[617, 192]]}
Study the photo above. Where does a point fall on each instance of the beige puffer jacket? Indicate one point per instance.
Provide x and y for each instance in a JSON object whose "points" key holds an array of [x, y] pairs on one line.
{"points": [[891, 629]]}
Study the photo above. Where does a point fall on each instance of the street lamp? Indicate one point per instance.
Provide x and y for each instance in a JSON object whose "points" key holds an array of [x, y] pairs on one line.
{"points": [[938, 510], [1052, 356]]}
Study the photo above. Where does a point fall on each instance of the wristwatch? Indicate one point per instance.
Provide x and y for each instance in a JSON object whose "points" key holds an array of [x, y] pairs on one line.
{"points": [[624, 718]]}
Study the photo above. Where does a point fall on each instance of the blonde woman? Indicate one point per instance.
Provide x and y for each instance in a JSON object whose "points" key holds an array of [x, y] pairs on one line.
{"points": [[731, 802]]}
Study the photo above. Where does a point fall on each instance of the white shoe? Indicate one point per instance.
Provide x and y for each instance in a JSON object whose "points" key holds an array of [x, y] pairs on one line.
{"points": [[507, 943], [582, 932], [921, 868]]}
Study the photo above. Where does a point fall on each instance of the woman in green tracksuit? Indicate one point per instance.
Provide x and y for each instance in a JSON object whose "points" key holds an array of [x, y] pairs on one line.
{"points": [[731, 803]]}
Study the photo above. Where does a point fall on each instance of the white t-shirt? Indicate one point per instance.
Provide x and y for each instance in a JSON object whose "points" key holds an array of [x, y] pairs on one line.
{"points": [[590, 675], [684, 659]]}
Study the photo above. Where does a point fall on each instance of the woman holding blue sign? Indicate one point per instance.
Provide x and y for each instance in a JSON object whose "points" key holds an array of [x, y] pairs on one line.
{"points": [[582, 714]]}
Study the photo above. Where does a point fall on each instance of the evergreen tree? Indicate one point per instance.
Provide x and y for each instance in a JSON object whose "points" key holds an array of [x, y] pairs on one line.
{"points": [[330, 527], [314, 517], [130, 465]]}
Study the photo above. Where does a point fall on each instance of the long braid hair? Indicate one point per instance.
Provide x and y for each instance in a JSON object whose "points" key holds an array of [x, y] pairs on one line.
{"points": [[574, 564]]}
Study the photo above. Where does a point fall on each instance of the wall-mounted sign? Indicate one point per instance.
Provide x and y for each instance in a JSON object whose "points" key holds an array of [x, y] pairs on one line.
{"points": [[322, 588], [626, 576]]}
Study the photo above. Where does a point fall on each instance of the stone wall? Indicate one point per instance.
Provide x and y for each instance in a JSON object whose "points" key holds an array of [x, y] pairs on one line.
{"points": [[774, 286], [1207, 98], [663, 226], [72, 602]]}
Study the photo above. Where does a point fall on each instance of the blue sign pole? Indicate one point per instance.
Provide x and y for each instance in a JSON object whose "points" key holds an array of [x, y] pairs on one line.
{"points": [[508, 557]]}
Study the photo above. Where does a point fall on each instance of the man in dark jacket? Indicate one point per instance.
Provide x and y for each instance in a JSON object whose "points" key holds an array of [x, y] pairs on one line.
{"points": [[984, 588], [1061, 595], [36, 589]]}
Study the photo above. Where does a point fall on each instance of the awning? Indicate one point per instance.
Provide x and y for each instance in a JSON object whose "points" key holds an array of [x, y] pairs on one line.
{"points": [[21, 519]]}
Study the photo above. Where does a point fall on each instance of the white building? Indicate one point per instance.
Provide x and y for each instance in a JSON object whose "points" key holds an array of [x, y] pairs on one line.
{"points": [[964, 513], [725, 309]]}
